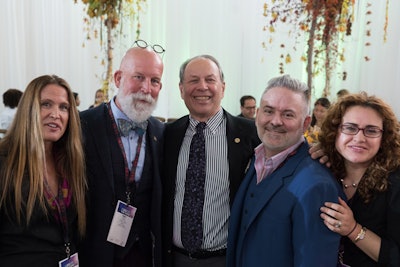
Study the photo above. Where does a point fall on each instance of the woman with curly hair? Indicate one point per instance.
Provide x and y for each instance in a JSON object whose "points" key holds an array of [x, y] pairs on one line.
{"points": [[42, 178], [361, 137]]}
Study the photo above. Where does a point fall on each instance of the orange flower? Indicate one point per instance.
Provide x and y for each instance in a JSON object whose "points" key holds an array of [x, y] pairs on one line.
{"points": [[288, 59], [304, 27], [274, 16], [342, 28]]}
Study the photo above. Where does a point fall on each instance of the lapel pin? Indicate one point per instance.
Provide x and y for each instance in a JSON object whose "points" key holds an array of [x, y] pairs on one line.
{"points": [[237, 140]]}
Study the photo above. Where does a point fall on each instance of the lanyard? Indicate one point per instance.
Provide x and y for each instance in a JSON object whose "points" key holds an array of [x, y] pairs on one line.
{"points": [[132, 172], [59, 211], [129, 174]]}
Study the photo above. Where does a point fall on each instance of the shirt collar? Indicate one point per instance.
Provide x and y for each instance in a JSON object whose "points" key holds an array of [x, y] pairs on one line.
{"points": [[212, 123], [278, 158]]}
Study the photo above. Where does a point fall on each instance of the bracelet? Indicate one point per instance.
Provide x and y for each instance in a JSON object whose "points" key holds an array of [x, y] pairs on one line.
{"points": [[352, 230], [360, 235]]}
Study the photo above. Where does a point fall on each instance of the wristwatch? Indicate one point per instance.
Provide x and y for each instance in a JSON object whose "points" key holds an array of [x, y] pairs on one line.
{"points": [[361, 235]]}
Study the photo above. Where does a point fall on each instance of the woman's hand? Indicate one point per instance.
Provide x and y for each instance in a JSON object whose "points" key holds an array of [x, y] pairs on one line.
{"points": [[338, 217], [317, 152]]}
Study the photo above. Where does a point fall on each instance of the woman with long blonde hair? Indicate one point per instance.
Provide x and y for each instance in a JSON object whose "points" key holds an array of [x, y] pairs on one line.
{"points": [[42, 178]]}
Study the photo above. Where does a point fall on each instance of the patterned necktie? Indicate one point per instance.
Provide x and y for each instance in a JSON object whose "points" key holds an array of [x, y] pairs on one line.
{"points": [[192, 209], [125, 126]]}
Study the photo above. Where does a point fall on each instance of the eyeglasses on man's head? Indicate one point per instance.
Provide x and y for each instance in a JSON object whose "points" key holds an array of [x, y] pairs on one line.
{"points": [[143, 44], [368, 131]]}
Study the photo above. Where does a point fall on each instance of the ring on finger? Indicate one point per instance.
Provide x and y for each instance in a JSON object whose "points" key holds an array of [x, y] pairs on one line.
{"points": [[338, 224]]}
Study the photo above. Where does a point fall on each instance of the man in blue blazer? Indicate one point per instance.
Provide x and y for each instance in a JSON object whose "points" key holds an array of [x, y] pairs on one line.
{"points": [[116, 178], [275, 216], [229, 144]]}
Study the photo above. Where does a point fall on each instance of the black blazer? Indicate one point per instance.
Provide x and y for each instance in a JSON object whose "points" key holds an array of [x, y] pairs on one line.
{"points": [[242, 138], [99, 141], [39, 244]]}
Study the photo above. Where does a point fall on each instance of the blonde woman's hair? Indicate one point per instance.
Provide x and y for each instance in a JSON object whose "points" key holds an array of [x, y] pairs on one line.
{"points": [[24, 163]]}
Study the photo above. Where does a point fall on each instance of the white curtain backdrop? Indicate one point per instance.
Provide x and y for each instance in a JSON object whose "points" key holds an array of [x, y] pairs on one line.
{"points": [[47, 37]]}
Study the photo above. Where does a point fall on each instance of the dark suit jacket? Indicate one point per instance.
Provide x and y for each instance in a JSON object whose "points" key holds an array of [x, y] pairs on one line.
{"points": [[39, 244], [381, 215], [277, 222], [242, 139], [99, 140]]}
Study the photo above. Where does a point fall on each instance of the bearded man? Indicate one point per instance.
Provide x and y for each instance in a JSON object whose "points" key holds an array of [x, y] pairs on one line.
{"points": [[122, 144]]}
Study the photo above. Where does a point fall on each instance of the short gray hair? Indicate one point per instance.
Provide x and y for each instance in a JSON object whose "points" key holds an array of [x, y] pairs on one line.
{"points": [[292, 84], [213, 59]]}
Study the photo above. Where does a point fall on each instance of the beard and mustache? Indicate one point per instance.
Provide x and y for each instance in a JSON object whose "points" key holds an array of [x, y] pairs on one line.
{"points": [[138, 106]]}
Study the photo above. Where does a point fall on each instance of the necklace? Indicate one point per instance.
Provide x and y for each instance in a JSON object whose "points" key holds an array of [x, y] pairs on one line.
{"points": [[354, 185]]}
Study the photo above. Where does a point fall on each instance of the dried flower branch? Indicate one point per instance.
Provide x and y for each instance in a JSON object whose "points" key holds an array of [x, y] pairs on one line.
{"points": [[103, 18], [325, 24]]}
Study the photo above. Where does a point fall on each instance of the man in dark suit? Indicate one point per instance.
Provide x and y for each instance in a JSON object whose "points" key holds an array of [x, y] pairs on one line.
{"points": [[275, 219], [123, 144], [229, 144]]}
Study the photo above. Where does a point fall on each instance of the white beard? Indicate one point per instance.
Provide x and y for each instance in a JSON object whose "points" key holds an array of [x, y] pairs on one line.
{"points": [[134, 107]]}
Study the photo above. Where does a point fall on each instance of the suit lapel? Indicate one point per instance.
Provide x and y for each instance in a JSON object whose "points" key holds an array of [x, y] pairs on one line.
{"points": [[236, 152], [102, 142], [176, 134], [154, 138], [270, 185]]}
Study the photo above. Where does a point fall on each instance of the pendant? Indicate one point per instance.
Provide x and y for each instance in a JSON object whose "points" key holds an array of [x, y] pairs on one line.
{"points": [[354, 185]]}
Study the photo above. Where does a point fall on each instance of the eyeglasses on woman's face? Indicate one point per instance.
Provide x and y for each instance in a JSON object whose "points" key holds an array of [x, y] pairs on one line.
{"points": [[368, 131]]}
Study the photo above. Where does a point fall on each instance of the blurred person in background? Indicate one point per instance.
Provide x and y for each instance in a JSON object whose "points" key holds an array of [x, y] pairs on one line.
{"points": [[321, 106], [99, 98], [77, 100], [247, 107], [11, 99]]}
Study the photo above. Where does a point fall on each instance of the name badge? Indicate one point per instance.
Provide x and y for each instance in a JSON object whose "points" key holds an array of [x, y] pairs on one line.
{"points": [[121, 224], [70, 262]]}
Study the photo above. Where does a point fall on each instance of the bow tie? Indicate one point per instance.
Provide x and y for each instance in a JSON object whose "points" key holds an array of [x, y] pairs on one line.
{"points": [[125, 126]]}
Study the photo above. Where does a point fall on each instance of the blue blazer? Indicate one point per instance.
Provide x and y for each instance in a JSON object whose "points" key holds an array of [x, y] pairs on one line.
{"points": [[99, 140], [277, 222]]}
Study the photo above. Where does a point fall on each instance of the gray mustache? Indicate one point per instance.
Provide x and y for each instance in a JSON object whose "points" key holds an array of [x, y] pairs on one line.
{"points": [[278, 129]]}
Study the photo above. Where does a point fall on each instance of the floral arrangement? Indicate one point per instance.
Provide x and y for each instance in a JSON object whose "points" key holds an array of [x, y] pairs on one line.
{"points": [[325, 23], [311, 134], [104, 17]]}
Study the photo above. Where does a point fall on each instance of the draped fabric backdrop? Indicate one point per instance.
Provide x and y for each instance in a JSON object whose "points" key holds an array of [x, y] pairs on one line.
{"points": [[47, 37]]}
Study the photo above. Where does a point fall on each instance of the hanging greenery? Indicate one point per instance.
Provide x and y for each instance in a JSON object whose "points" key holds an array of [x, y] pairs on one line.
{"points": [[325, 23], [104, 22]]}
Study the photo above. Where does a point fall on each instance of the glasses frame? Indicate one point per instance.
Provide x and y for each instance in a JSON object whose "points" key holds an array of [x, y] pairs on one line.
{"points": [[360, 129], [143, 44]]}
